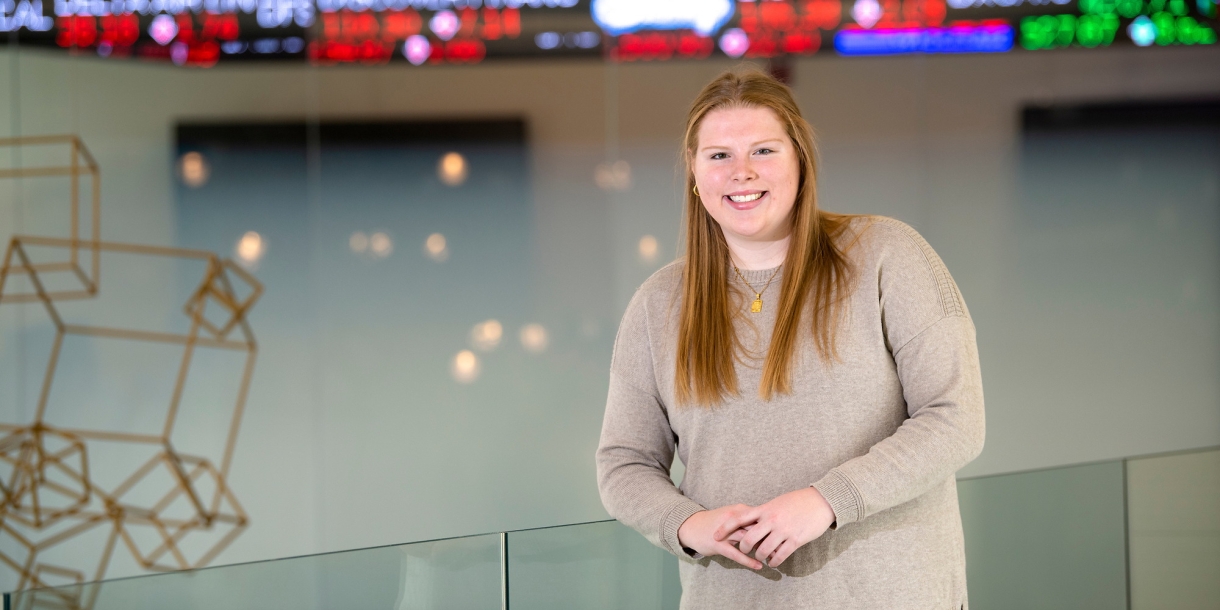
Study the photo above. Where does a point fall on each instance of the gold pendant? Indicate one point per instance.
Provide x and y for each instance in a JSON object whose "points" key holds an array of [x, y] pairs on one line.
{"points": [[756, 306]]}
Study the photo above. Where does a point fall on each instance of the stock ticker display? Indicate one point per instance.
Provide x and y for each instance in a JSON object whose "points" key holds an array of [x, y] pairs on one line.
{"points": [[422, 32]]}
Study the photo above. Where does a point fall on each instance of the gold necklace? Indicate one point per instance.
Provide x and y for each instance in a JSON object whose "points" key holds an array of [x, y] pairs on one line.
{"points": [[756, 306]]}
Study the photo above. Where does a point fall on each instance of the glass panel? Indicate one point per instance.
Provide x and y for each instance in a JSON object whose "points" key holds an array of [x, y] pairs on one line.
{"points": [[1047, 539], [1174, 529], [591, 566], [459, 573]]}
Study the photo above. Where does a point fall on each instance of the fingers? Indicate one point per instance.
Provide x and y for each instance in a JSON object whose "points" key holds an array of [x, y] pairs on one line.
{"points": [[730, 551], [768, 546], [782, 553], [751, 539], [734, 519]]}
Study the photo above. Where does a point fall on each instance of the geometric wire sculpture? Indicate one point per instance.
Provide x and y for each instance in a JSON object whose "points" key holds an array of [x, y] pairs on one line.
{"points": [[48, 493]]}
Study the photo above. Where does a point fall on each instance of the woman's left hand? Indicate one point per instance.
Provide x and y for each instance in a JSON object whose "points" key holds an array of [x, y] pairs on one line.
{"points": [[784, 525]]}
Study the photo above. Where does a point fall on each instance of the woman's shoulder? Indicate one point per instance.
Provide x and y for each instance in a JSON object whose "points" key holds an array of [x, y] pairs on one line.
{"points": [[902, 261], [657, 294], [647, 315], [878, 240], [664, 281]]}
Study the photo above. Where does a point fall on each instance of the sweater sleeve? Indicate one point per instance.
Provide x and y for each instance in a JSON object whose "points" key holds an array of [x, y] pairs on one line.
{"points": [[637, 443], [932, 339]]}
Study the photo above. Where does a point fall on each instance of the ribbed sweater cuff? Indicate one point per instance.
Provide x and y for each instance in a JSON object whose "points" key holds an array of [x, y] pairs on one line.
{"points": [[843, 497], [674, 520]]}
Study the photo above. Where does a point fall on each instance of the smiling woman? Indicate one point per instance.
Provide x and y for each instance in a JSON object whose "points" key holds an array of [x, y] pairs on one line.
{"points": [[746, 171], [821, 416]]}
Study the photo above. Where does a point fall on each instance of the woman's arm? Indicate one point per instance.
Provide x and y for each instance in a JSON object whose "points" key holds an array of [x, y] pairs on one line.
{"points": [[633, 459], [637, 448], [932, 339]]}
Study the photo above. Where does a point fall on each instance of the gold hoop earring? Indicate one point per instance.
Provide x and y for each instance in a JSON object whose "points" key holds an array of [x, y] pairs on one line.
{"points": [[695, 189]]}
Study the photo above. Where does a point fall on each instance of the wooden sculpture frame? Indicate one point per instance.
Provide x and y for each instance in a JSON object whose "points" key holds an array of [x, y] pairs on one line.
{"points": [[41, 463]]}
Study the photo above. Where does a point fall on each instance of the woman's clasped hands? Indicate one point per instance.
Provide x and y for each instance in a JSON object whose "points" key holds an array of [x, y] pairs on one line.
{"points": [[754, 535]]}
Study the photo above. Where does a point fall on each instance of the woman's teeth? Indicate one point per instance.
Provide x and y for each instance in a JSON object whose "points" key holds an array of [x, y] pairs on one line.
{"points": [[744, 198]]}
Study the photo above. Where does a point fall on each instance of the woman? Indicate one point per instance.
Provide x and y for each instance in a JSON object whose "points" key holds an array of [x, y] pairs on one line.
{"points": [[816, 373]]}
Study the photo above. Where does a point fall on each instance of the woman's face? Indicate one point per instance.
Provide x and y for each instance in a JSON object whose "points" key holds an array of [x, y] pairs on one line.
{"points": [[746, 168]]}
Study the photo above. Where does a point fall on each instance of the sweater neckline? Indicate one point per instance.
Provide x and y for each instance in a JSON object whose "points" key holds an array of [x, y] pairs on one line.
{"points": [[757, 277]]}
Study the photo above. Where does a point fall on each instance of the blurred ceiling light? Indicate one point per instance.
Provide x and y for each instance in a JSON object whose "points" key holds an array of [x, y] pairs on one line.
{"points": [[648, 249], [380, 245], [533, 338], [250, 248], [485, 336], [452, 169], [194, 169], [465, 367], [436, 248], [358, 242], [613, 176]]}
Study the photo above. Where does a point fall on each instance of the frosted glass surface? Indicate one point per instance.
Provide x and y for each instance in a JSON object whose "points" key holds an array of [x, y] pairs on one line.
{"points": [[592, 566], [1051, 539], [1105, 341], [1174, 504]]}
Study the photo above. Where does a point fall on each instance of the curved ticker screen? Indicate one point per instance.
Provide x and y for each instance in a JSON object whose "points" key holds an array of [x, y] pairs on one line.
{"points": [[423, 32]]}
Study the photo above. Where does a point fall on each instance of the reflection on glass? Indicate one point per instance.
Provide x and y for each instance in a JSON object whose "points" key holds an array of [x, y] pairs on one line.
{"points": [[250, 248], [465, 366], [452, 169], [436, 248], [485, 336], [380, 245], [648, 249], [613, 176], [358, 242], [194, 169], [533, 338]]}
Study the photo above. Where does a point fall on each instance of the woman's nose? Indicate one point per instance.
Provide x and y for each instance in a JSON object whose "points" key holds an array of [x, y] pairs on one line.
{"points": [[743, 170]]}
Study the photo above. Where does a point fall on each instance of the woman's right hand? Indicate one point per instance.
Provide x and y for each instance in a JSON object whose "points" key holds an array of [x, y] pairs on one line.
{"points": [[709, 532]]}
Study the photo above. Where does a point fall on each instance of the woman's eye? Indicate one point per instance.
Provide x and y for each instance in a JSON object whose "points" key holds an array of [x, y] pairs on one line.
{"points": [[764, 151], [719, 155]]}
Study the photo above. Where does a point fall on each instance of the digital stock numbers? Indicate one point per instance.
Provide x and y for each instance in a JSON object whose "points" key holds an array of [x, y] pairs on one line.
{"points": [[202, 33]]}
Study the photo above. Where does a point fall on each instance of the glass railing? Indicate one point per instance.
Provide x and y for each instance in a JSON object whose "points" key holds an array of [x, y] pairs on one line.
{"points": [[601, 564], [1136, 533], [1141, 533]]}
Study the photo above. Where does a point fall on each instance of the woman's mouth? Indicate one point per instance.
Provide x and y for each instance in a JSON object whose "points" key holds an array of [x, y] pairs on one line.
{"points": [[745, 201]]}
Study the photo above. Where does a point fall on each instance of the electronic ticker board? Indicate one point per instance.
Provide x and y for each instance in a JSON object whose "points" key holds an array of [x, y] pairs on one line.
{"points": [[423, 32]]}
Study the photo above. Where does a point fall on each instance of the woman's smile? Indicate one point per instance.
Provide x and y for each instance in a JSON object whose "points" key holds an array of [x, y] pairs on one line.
{"points": [[745, 200]]}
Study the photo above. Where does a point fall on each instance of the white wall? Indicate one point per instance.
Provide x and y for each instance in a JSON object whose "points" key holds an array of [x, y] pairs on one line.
{"points": [[931, 140]]}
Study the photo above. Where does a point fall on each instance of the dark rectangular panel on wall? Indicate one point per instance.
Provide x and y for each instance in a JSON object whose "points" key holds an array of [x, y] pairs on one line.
{"points": [[1120, 115], [296, 133]]}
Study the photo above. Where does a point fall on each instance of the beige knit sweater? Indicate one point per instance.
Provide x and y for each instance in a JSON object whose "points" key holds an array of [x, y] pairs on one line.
{"points": [[880, 434]]}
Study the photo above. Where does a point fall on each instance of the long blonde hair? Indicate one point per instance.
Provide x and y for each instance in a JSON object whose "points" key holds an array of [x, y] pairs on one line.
{"points": [[815, 267]]}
